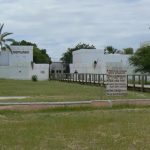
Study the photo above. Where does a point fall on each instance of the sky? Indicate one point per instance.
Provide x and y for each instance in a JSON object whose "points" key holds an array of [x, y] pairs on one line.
{"points": [[56, 25]]}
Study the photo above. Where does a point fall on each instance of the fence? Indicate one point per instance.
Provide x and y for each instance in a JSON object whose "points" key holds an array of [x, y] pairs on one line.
{"points": [[140, 82]]}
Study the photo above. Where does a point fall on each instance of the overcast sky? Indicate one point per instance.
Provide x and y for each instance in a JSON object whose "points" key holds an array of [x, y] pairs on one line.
{"points": [[58, 24]]}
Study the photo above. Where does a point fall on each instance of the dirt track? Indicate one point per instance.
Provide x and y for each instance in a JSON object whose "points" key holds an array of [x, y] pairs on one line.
{"points": [[95, 103]]}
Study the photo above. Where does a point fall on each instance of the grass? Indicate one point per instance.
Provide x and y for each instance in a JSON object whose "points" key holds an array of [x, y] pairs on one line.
{"points": [[71, 128], [58, 91], [75, 129]]}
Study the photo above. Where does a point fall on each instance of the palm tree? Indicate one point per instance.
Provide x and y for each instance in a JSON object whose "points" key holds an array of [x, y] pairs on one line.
{"points": [[3, 40]]}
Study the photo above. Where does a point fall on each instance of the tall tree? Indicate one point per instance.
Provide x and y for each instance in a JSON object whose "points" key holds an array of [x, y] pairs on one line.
{"points": [[67, 56], [141, 60], [110, 50], [3, 40], [128, 50], [39, 55]]}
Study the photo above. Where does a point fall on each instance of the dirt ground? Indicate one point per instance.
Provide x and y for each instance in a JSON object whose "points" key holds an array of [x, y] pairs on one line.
{"points": [[25, 107], [96, 103]]}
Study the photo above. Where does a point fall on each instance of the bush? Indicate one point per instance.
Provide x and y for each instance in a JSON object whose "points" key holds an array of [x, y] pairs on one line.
{"points": [[34, 78]]}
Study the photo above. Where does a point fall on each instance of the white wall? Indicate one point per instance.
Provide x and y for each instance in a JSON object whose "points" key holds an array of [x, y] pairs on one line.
{"points": [[41, 71], [4, 72], [17, 65], [25, 73], [83, 61], [4, 58], [14, 72], [87, 55], [21, 56]]}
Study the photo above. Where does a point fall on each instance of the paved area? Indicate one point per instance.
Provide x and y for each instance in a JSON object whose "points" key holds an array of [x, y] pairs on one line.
{"points": [[46, 103], [13, 97], [93, 103]]}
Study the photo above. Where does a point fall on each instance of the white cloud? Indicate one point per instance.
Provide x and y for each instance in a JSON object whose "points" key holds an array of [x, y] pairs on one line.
{"points": [[59, 24]]}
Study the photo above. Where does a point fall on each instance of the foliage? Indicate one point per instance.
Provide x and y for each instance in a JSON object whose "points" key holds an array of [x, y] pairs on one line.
{"points": [[3, 40], [67, 56], [128, 50], [34, 78], [141, 59], [39, 55], [110, 50]]}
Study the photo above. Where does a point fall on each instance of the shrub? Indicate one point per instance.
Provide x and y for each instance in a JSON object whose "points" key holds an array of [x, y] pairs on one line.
{"points": [[34, 78]]}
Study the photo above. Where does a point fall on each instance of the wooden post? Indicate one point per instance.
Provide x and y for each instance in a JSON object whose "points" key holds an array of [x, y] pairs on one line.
{"points": [[90, 77], [127, 80], [145, 79], [103, 79], [73, 77], [99, 78], [94, 78], [76, 77], [142, 84], [139, 79], [79, 77], [86, 78], [83, 78], [133, 81]]}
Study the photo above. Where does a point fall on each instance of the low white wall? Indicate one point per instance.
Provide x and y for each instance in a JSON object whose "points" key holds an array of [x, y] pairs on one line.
{"points": [[41, 71], [14, 72], [4, 72], [25, 73]]}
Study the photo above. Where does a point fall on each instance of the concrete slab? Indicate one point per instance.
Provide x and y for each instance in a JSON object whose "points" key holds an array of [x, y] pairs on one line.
{"points": [[12, 97]]}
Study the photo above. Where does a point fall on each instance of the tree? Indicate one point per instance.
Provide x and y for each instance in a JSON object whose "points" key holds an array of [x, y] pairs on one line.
{"points": [[67, 56], [3, 40], [128, 50], [110, 50], [39, 55], [141, 60]]}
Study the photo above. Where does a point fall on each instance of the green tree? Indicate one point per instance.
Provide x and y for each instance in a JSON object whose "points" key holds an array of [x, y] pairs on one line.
{"points": [[110, 50], [39, 55], [3, 40], [67, 56], [128, 50], [141, 60]]}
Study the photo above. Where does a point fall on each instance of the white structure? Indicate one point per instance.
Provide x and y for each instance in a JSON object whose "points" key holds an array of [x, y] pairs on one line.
{"points": [[19, 64], [94, 61]]}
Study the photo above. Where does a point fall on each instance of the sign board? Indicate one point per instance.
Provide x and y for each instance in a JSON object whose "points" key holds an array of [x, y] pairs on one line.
{"points": [[116, 79]]}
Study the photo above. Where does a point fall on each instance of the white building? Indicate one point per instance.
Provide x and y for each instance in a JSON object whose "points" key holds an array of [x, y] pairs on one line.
{"points": [[19, 64], [94, 61]]}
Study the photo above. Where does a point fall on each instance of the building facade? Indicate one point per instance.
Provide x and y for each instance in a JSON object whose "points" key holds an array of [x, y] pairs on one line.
{"points": [[18, 64], [94, 61], [57, 67]]}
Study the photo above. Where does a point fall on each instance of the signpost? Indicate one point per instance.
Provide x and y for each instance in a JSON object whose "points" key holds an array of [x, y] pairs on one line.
{"points": [[116, 79]]}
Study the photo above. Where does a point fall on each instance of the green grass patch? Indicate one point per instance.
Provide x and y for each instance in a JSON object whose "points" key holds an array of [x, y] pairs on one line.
{"points": [[59, 91], [75, 128]]}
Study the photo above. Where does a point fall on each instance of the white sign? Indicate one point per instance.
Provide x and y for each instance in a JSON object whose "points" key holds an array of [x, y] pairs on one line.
{"points": [[116, 79]]}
